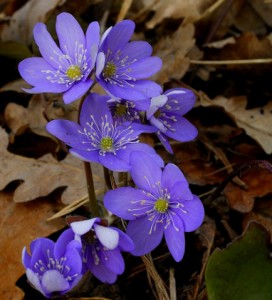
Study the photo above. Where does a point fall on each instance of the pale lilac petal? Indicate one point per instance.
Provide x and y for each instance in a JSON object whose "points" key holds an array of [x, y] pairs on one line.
{"points": [[107, 236], [26, 258], [144, 68], [92, 41], [100, 64], [184, 131], [34, 280], [158, 124], [156, 103], [47, 46], [145, 172], [78, 90], [82, 227], [144, 240], [175, 239], [68, 132], [119, 201], [70, 34], [194, 215], [54, 281], [34, 71]]}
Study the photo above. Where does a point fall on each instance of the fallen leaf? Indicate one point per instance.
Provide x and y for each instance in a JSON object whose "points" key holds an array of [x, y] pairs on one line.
{"points": [[21, 24], [19, 118], [256, 122], [177, 9], [175, 57], [20, 224], [243, 270], [258, 182], [42, 176]]}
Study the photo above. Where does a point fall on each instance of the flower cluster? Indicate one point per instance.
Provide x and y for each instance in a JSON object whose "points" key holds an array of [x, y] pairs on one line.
{"points": [[89, 245], [159, 203]]}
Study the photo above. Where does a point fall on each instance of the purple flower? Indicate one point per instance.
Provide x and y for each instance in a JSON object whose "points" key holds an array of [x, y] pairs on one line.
{"points": [[161, 205], [127, 111], [166, 114], [64, 69], [54, 268], [99, 139], [101, 247], [122, 66]]}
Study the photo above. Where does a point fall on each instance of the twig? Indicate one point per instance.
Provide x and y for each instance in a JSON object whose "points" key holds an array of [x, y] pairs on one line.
{"points": [[232, 62], [252, 164]]}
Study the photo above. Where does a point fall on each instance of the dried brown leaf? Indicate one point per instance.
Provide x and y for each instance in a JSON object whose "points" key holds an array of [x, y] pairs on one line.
{"points": [[173, 50], [20, 224], [19, 118], [20, 27], [256, 122], [191, 10], [259, 185], [42, 176]]}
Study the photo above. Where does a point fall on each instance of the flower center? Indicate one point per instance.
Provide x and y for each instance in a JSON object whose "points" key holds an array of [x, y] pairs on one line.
{"points": [[157, 114], [120, 110], [161, 205], [74, 72], [106, 143], [109, 70]]}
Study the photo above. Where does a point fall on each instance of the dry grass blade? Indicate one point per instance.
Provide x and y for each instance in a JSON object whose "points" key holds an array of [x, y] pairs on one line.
{"points": [[232, 61], [124, 9], [161, 291], [172, 284]]}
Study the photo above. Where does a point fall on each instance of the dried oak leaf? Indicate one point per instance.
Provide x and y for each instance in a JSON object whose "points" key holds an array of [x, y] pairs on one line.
{"points": [[259, 185], [173, 50], [18, 118], [20, 224], [191, 10], [20, 27], [41, 176], [256, 122]]}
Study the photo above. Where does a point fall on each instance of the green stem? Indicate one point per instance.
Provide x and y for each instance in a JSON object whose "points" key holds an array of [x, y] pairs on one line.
{"points": [[94, 208]]}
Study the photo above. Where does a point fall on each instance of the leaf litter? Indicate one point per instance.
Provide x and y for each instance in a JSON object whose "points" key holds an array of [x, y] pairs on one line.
{"points": [[219, 49]]}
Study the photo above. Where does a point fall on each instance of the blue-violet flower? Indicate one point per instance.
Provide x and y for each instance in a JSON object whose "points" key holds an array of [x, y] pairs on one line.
{"points": [[99, 139], [161, 205], [127, 111], [64, 69], [166, 114], [54, 268], [122, 66], [101, 247]]}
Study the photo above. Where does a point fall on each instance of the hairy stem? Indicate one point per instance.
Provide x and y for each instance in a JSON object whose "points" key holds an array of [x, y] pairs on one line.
{"points": [[94, 208]]}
